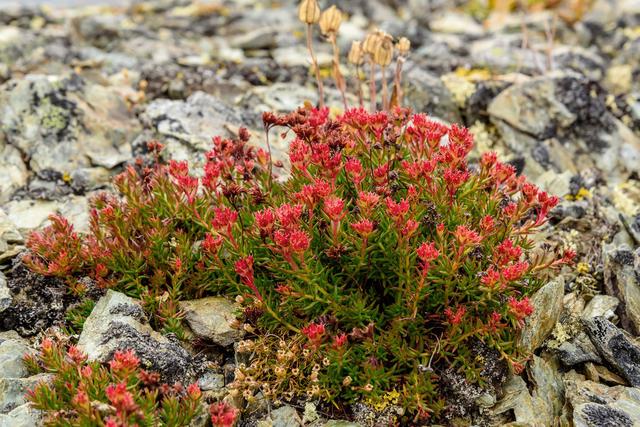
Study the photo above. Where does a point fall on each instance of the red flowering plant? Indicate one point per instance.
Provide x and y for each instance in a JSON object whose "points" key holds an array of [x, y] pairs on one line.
{"points": [[117, 394], [384, 252]]}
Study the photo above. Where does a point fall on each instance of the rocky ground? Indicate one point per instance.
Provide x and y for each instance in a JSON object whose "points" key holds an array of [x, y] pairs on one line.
{"points": [[82, 90]]}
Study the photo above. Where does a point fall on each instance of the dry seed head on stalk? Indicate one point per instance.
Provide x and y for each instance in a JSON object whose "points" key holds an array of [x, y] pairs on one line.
{"points": [[384, 50], [356, 54], [330, 21], [309, 11], [371, 42], [403, 46]]}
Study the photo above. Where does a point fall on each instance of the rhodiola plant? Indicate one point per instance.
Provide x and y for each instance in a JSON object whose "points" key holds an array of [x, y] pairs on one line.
{"points": [[385, 253], [117, 394]]}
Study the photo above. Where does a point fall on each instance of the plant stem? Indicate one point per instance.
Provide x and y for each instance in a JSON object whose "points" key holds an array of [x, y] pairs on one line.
{"points": [[397, 80], [372, 86], [337, 75], [385, 97], [359, 83], [314, 64]]}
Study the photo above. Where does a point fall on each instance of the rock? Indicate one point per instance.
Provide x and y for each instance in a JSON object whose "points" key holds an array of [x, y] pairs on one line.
{"points": [[13, 171], [12, 390], [579, 60], [547, 307], [548, 390], [5, 294], [285, 416], [340, 423], [193, 122], [211, 381], [622, 280], [22, 416], [28, 215], [457, 23], [12, 350], [426, 93], [10, 238], [504, 53], [567, 114], [596, 404], [38, 302], [211, 318], [516, 397], [601, 305], [62, 124], [615, 347], [580, 349], [286, 97], [118, 322]]}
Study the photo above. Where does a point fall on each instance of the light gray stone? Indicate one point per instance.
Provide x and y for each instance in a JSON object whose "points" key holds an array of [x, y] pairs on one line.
{"points": [[547, 307], [601, 305], [22, 416], [12, 390], [622, 280], [12, 350], [211, 318]]}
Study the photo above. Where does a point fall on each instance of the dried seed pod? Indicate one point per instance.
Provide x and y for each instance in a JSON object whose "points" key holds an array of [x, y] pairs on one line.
{"points": [[403, 46], [330, 21], [356, 54], [309, 12], [384, 50], [371, 42]]}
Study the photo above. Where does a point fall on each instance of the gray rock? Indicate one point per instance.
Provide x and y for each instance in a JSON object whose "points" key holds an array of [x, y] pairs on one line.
{"points": [[5, 294], [193, 122], [579, 349], [12, 390], [211, 318], [22, 416], [548, 390], [595, 404], [13, 171], [10, 238], [426, 93], [547, 307], [622, 280], [12, 350], [503, 53], [615, 347], [579, 60], [211, 381], [516, 397], [285, 416], [61, 124], [118, 322], [567, 124], [601, 305]]}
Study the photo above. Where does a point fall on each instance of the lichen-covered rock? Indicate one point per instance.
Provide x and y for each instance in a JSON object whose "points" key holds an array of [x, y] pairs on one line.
{"points": [[12, 350], [547, 307], [5, 293], [596, 405], [548, 390], [22, 416], [601, 305], [13, 390], [62, 124], [118, 322], [568, 112], [622, 280], [210, 318], [516, 397], [615, 347], [10, 238], [13, 171], [579, 349]]}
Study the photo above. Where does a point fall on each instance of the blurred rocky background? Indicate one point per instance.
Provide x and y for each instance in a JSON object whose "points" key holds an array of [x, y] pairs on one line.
{"points": [[554, 89]]}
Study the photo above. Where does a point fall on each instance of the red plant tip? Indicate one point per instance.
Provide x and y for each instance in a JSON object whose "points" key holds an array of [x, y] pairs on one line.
{"points": [[363, 227], [515, 271], [427, 252], [568, 256], [314, 332], [244, 268], [299, 241], [455, 317], [86, 371], [367, 201], [507, 252], [397, 210], [224, 218], [120, 397], [75, 355], [46, 346], [289, 215], [124, 361], [211, 244], [334, 208], [466, 237], [265, 219], [354, 168], [490, 277], [223, 415], [340, 340], [520, 308]]}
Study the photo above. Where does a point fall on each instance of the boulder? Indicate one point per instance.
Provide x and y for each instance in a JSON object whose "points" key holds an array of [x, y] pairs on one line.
{"points": [[622, 280], [210, 318], [615, 347], [547, 307], [22, 416], [12, 350], [118, 322]]}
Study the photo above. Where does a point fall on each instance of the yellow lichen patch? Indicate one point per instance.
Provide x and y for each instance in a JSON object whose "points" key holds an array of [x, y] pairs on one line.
{"points": [[460, 87], [583, 268], [582, 194], [389, 398], [473, 74]]}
